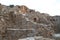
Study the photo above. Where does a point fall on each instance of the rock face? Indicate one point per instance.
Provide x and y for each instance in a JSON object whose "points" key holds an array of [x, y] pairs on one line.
{"points": [[20, 22]]}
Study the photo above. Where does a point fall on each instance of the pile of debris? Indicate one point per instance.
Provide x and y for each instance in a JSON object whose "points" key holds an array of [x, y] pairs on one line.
{"points": [[20, 22]]}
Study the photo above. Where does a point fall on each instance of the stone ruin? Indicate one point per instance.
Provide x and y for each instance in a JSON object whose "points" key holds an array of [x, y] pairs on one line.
{"points": [[20, 22]]}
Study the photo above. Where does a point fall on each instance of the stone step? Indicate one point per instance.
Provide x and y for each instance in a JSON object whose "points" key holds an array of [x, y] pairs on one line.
{"points": [[42, 38], [36, 38]]}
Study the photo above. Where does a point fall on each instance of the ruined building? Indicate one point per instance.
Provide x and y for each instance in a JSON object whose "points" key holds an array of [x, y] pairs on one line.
{"points": [[20, 22]]}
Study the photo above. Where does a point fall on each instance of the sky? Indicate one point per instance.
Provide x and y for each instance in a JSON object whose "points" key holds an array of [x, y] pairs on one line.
{"points": [[51, 7]]}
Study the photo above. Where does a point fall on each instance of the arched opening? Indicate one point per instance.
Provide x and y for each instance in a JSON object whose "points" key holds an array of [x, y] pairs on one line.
{"points": [[35, 19]]}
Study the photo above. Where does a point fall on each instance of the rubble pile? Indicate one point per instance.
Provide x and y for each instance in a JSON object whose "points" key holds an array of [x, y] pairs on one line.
{"points": [[20, 22]]}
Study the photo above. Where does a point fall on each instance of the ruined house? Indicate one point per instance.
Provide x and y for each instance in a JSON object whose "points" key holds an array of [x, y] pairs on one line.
{"points": [[20, 22]]}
